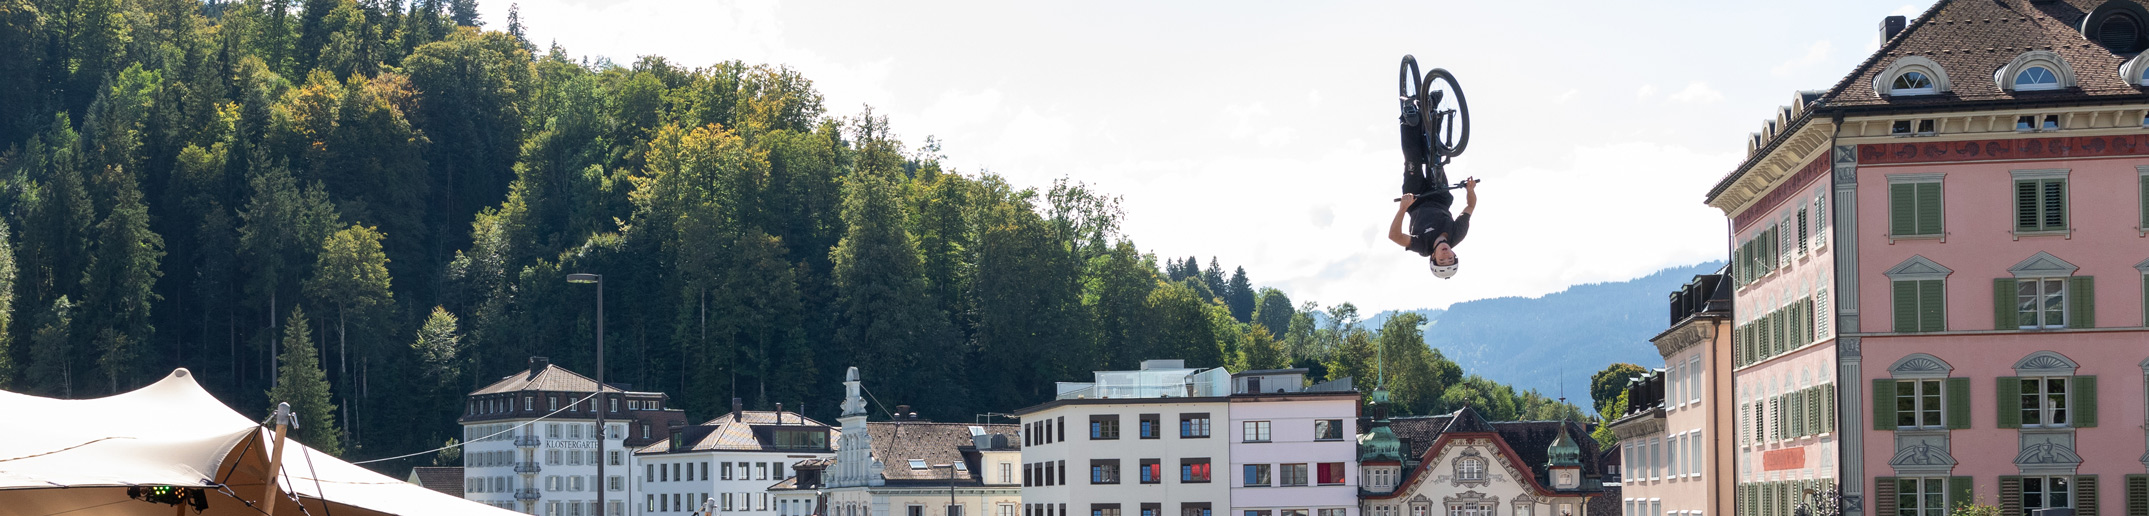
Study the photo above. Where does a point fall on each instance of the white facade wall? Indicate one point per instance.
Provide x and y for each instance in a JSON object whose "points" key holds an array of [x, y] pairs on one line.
{"points": [[1291, 443], [548, 468], [1082, 491], [723, 482]]}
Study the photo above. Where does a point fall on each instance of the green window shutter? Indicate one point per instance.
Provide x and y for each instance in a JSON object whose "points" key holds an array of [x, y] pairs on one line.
{"points": [[2145, 201], [1932, 310], [2085, 401], [2054, 204], [1828, 394], [1906, 306], [2010, 402], [2010, 496], [1884, 496], [1795, 404], [2082, 302], [1959, 493], [1958, 403], [1803, 238], [2026, 206], [2085, 495], [2137, 495], [1902, 209], [2003, 305], [1928, 208], [1883, 405]]}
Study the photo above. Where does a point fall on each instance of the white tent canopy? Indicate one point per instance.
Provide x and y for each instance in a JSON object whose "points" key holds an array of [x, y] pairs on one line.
{"points": [[78, 457]]}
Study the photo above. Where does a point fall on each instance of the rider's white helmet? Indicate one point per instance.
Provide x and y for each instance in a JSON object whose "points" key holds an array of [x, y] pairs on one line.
{"points": [[1444, 271]]}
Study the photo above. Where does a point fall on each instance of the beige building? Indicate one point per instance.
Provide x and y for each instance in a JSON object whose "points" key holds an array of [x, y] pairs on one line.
{"points": [[912, 467], [1674, 432], [1150, 442]]}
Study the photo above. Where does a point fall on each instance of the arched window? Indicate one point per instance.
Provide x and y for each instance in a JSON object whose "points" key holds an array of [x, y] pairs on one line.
{"points": [[1911, 75], [1911, 83], [1470, 469], [2035, 70], [2036, 78]]}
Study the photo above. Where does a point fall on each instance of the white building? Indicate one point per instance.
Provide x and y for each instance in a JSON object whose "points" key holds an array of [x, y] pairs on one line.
{"points": [[531, 441], [1461, 465], [912, 467], [1293, 447], [1149, 442], [727, 465]]}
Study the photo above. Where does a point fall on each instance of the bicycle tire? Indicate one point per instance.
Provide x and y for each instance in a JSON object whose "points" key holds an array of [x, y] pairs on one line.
{"points": [[1407, 77], [1458, 138]]}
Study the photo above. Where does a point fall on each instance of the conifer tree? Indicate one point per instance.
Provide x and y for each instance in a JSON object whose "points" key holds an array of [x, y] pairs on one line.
{"points": [[1239, 296], [301, 382], [119, 286]]}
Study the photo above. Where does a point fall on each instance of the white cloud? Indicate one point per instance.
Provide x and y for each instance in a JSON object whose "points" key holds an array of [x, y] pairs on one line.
{"points": [[1815, 54], [1909, 11], [1647, 90], [1698, 93], [1313, 98], [1566, 96]]}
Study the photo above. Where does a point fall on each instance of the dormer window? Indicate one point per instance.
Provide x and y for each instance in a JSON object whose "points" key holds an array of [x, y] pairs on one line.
{"points": [[2036, 70], [1911, 75], [1911, 83], [2036, 78]]}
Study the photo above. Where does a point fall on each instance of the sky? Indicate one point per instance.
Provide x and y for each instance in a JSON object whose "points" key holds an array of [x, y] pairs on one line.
{"points": [[1263, 133]]}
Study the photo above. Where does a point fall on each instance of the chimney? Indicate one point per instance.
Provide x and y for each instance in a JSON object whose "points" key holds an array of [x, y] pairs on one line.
{"points": [[901, 412], [779, 414], [737, 408], [538, 364], [1891, 26]]}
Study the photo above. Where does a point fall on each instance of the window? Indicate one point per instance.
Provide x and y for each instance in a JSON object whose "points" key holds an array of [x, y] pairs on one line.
{"points": [[1470, 509], [1104, 427], [1294, 475], [1194, 425], [2044, 403], [2041, 204], [1917, 404], [1469, 469], [1194, 509], [1329, 473], [1920, 306], [1152, 471], [1255, 431], [914, 510], [1328, 430], [914, 464], [2041, 303], [1914, 206], [1291, 512], [2036, 123], [1150, 426], [1104, 509], [955, 510], [1007, 473], [1922, 127], [1104, 471], [761, 471], [1257, 513], [1921, 496], [1911, 83], [2036, 78], [1194, 470], [1256, 475], [2047, 493]]}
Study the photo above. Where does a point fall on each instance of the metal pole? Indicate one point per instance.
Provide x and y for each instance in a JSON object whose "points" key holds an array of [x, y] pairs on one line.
{"points": [[603, 404]]}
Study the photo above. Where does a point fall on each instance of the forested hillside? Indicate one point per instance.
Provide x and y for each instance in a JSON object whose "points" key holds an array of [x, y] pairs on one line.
{"points": [[378, 203]]}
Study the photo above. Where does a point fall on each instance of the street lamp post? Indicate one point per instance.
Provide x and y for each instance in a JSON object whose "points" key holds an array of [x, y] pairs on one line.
{"points": [[603, 402]]}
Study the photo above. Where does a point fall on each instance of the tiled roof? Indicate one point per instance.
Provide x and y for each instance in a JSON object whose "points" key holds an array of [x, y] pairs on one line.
{"points": [[1529, 440], [1972, 39], [448, 480], [549, 378], [895, 443], [728, 434]]}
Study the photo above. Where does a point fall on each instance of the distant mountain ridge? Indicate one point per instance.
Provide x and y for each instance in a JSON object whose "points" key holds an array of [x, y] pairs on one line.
{"points": [[1560, 338]]}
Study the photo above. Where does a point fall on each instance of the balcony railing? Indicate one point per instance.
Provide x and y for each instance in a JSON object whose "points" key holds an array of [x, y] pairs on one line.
{"points": [[528, 467], [528, 441], [527, 494]]}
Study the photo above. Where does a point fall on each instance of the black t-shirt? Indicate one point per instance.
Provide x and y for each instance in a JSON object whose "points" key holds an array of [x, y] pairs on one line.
{"points": [[1426, 225]]}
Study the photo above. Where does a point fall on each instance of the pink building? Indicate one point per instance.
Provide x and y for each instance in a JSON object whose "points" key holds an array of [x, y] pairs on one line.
{"points": [[1972, 201], [1675, 456]]}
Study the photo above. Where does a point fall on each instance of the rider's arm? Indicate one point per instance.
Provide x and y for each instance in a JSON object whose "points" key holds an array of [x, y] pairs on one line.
{"points": [[1469, 195], [1395, 226]]}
